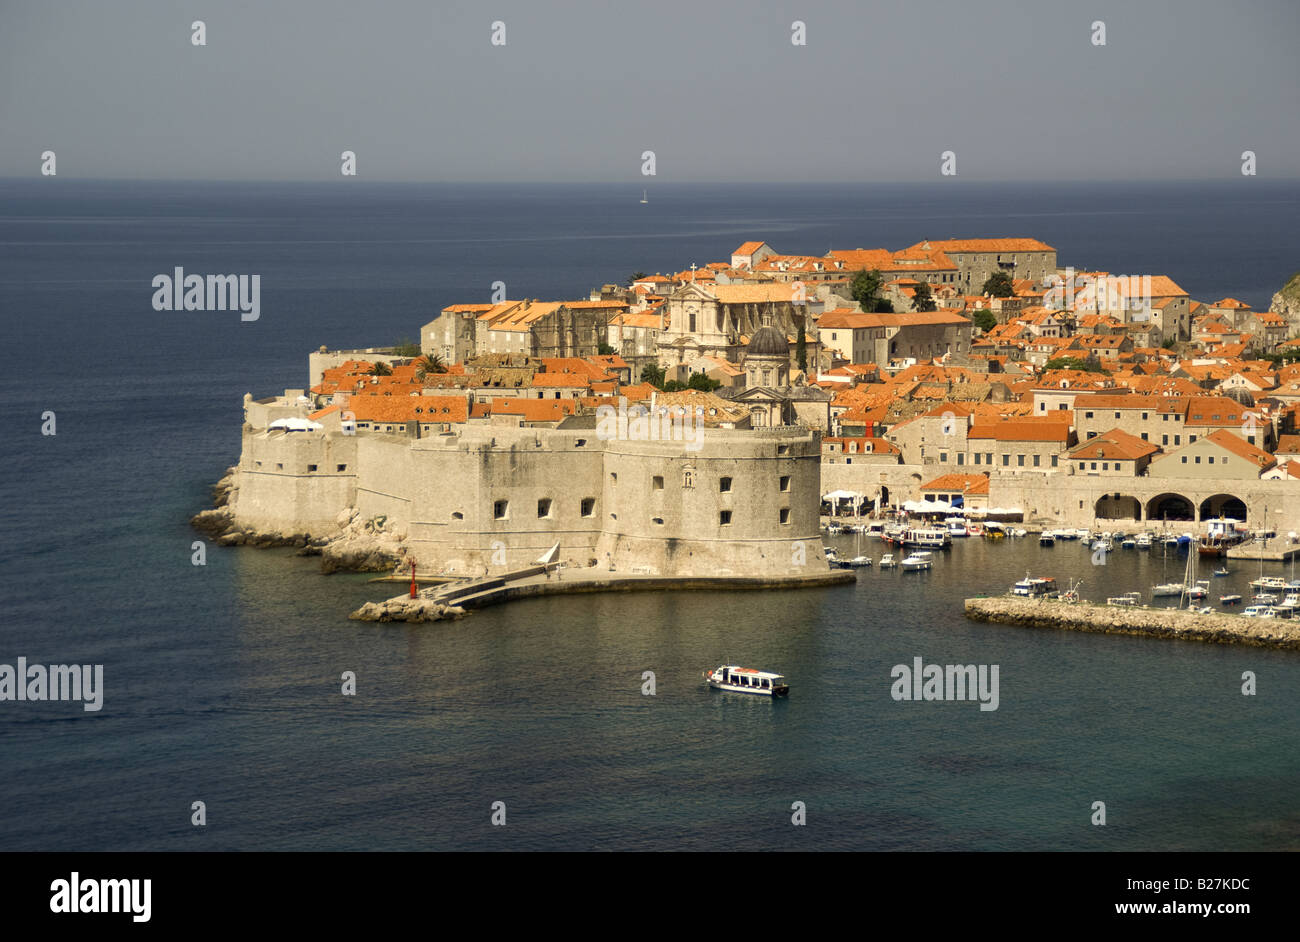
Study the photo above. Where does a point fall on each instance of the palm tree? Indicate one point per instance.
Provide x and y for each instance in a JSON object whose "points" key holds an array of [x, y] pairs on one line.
{"points": [[430, 363]]}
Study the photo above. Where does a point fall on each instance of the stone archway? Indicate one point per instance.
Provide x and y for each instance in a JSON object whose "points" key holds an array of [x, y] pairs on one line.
{"points": [[1223, 505], [1170, 507], [1117, 507]]}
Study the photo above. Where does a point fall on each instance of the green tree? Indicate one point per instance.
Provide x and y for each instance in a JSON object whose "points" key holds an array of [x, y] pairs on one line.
{"points": [[865, 288], [924, 300], [883, 306], [984, 319], [1090, 365], [702, 382], [406, 347], [999, 285], [636, 276], [674, 385], [381, 369], [653, 374], [801, 350], [604, 349]]}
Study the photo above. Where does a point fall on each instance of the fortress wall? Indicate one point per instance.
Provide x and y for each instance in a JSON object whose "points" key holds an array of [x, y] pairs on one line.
{"points": [[277, 488], [675, 526]]}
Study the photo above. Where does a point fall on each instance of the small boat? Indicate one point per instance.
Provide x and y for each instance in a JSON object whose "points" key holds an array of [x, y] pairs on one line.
{"points": [[643, 197], [1128, 542], [1066, 534], [1264, 598], [1128, 598], [994, 531], [1047, 538], [887, 561], [1259, 611], [917, 562], [1222, 572], [1199, 591], [1104, 544], [857, 562], [1268, 582], [1166, 589], [1142, 541], [1229, 599], [1019, 532], [957, 527], [747, 680], [1035, 588]]}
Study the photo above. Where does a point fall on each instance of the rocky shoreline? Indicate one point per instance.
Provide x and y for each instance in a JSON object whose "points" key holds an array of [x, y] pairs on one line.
{"points": [[355, 545], [1214, 628]]}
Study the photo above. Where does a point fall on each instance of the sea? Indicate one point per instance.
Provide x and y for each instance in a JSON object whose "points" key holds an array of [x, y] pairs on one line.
{"points": [[223, 682]]}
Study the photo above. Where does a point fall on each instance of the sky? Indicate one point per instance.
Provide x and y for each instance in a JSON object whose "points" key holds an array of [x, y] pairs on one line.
{"points": [[1016, 90]]}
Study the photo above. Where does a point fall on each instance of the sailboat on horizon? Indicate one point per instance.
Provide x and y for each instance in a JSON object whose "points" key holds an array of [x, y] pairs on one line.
{"points": [[643, 199]]}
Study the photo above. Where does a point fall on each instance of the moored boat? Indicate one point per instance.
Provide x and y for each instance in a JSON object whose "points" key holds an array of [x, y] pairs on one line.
{"points": [[1127, 599], [1035, 588], [1229, 599], [916, 562], [887, 561]]}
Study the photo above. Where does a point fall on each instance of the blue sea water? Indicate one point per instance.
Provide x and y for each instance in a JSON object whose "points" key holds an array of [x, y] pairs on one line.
{"points": [[223, 682]]}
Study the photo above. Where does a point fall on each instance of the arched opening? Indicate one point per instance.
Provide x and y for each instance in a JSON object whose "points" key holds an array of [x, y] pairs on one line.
{"points": [[1117, 507], [1170, 507], [1223, 505]]}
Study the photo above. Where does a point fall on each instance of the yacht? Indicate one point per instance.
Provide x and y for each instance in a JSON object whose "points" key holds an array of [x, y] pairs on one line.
{"points": [[747, 680], [1268, 582]]}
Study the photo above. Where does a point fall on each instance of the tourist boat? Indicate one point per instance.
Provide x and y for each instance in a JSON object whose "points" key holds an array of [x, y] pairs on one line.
{"points": [[1128, 598], [1222, 572], [1047, 538], [931, 537], [916, 562], [887, 561], [1035, 588], [1166, 589], [1211, 546], [747, 680], [1259, 611], [1229, 599]]}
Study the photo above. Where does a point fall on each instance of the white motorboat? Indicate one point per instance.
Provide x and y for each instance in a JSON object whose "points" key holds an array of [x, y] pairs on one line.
{"points": [[887, 561], [747, 680], [1128, 598], [1166, 589], [916, 562], [1035, 588]]}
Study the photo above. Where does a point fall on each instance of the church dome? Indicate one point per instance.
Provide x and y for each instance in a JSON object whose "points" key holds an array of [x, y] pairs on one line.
{"points": [[768, 342]]}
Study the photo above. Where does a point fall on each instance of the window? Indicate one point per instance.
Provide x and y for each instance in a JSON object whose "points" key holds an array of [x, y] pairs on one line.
{"points": [[1035, 461], [1144, 416], [580, 443], [1164, 439], [657, 482], [785, 514], [659, 521], [544, 507], [785, 482], [311, 467], [961, 458], [1006, 460], [1083, 465], [1105, 466], [724, 485], [724, 518], [1198, 459], [1184, 459], [1094, 466], [1211, 459], [1117, 415], [782, 450], [500, 509], [1053, 461], [988, 457], [589, 506], [1087, 415], [613, 477], [279, 466], [342, 467], [1178, 439], [1144, 436], [1020, 461], [1190, 439], [457, 515]]}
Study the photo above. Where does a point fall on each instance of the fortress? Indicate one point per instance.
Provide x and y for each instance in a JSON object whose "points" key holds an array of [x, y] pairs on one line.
{"points": [[484, 496]]}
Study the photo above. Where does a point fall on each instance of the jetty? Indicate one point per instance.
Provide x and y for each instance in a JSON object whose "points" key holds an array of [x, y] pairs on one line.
{"points": [[1178, 624], [455, 599]]}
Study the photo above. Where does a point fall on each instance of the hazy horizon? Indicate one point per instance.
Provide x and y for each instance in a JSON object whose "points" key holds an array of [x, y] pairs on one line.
{"points": [[719, 92]]}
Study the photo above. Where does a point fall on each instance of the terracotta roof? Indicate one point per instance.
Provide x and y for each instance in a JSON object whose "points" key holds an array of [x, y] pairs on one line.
{"points": [[1115, 444], [966, 483]]}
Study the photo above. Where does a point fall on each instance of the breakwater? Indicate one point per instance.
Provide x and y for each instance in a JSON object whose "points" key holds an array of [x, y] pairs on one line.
{"points": [[453, 600], [1212, 628]]}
